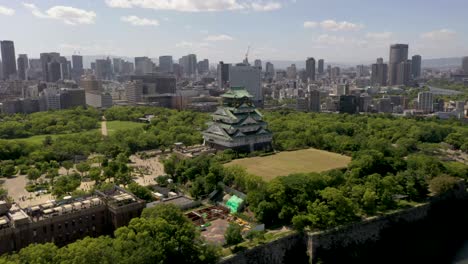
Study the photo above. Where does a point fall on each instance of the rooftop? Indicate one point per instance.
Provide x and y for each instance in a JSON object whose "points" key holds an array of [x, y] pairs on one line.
{"points": [[237, 93]]}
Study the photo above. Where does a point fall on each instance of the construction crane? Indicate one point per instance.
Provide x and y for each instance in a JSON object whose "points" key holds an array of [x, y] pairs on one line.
{"points": [[246, 60]]}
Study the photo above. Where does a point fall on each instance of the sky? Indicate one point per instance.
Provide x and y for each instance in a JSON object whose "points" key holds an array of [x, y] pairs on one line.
{"points": [[344, 31]]}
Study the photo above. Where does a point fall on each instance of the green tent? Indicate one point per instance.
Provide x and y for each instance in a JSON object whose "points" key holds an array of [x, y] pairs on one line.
{"points": [[234, 203]]}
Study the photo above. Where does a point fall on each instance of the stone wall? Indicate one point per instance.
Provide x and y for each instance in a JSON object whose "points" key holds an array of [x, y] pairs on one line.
{"points": [[428, 233]]}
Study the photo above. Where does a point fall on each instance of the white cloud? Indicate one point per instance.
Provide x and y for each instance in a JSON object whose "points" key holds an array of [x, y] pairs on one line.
{"points": [[326, 40], [333, 25], [310, 24], [439, 35], [140, 21], [221, 37], [266, 7], [69, 15], [184, 44], [196, 5], [379, 35], [6, 11]]}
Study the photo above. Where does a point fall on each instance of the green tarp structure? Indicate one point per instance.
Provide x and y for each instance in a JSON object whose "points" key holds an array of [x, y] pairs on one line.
{"points": [[233, 203]]}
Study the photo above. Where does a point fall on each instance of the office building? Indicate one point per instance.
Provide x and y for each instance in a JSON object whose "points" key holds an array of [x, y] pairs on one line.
{"points": [[223, 75], [54, 71], [47, 58], [385, 105], [77, 67], [269, 71], [425, 102], [65, 68], [103, 69], [127, 68], [117, 66], [66, 221], [416, 66], [237, 124], [335, 73], [166, 64], [321, 66], [8, 59], [404, 73], [143, 65], [189, 65], [203, 66], [379, 73], [258, 64], [249, 77], [72, 98], [398, 54], [23, 65], [134, 91], [465, 65], [99, 100], [291, 72], [314, 101], [310, 69], [348, 104], [91, 84]]}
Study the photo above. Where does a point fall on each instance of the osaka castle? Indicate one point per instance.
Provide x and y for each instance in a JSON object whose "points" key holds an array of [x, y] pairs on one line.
{"points": [[238, 125]]}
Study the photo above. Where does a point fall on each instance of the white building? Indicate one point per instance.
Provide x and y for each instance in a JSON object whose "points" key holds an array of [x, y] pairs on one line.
{"points": [[425, 102], [99, 100], [242, 75]]}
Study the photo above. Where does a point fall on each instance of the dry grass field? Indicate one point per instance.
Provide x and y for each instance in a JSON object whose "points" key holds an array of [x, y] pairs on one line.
{"points": [[287, 162]]}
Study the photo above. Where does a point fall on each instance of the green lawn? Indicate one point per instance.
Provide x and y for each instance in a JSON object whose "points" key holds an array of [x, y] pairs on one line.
{"points": [[288, 162], [113, 126]]}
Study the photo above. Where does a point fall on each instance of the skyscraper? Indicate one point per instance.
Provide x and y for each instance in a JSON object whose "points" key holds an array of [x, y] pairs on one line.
{"points": [[398, 54], [425, 102], [143, 65], [166, 64], [320, 66], [416, 66], [379, 73], [54, 71], [64, 68], [8, 59], [77, 67], [465, 65], [46, 58], [203, 66], [310, 69], [104, 69], [223, 74], [249, 77], [23, 65], [314, 101], [117, 65], [269, 71], [403, 73], [189, 64], [258, 64]]}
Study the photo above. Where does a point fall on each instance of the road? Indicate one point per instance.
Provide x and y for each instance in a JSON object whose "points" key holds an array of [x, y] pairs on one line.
{"points": [[104, 127]]}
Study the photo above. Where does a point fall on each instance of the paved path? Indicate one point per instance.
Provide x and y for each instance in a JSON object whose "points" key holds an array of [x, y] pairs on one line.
{"points": [[104, 127]]}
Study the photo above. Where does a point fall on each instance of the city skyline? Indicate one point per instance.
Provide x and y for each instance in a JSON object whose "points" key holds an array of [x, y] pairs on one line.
{"points": [[223, 29]]}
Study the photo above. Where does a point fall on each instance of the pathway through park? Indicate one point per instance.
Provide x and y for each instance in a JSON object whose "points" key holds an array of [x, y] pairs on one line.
{"points": [[104, 127]]}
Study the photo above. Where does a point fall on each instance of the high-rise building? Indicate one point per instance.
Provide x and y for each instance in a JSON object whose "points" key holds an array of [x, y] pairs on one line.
{"points": [[166, 64], [403, 73], [425, 102], [127, 68], [117, 65], [91, 84], [77, 62], [291, 72], [348, 104], [104, 69], [189, 64], [203, 66], [416, 66], [23, 65], [269, 71], [379, 73], [335, 72], [134, 91], [47, 58], [320, 66], [1, 70], [314, 101], [258, 64], [310, 69], [65, 68], [249, 77], [8, 59], [143, 65], [223, 75], [54, 71], [465, 65], [398, 54], [71, 98]]}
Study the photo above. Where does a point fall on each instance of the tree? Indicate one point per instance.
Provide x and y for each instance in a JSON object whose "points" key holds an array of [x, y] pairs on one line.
{"points": [[67, 165], [33, 174], [95, 174], [140, 191], [83, 167], [442, 184], [233, 235]]}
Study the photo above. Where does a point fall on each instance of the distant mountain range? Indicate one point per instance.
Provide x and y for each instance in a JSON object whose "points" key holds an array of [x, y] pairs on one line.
{"points": [[283, 64]]}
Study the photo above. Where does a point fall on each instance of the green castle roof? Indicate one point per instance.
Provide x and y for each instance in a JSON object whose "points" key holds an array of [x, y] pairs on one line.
{"points": [[237, 93]]}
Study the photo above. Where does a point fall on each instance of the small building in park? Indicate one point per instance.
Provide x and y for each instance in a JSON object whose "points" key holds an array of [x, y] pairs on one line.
{"points": [[238, 125]]}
